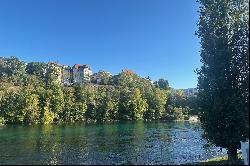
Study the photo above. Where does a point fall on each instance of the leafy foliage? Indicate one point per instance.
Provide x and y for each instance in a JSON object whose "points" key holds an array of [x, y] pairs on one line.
{"points": [[224, 75], [38, 97]]}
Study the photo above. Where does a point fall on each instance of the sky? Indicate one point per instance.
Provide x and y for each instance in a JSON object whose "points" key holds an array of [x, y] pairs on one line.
{"points": [[154, 38]]}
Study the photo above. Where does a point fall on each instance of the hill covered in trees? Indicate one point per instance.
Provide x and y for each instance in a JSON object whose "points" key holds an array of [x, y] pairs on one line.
{"points": [[30, 94]]}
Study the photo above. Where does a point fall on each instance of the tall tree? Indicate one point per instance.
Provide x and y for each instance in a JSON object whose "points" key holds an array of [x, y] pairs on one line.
{"points": [[11, 108], [138, 105], [30, 105], [36, 68], [46, 114], [223, 77], [13, 68], [56, 99], [159, 102], [162, 84]]}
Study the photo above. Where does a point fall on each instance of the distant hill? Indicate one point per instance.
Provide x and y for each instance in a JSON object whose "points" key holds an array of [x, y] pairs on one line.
{"points": [[190, 91], [187, 92]]}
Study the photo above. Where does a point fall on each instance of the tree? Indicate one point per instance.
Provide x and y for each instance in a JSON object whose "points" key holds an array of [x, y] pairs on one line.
{"points": [[125, 78], [42, 99], [56, 100], [90, 98], [11, 108], [101, 105], [223, 77], [53, 73], [3, 67], [36, 68], [68, 111], [138, 105], [101, 78], [21, 107], [162, 84], [176, 99], [30, 105], [159, 103], [86, 95], [13, 68], [192, 104], [106, 104], [124, 104], [46, 115]]}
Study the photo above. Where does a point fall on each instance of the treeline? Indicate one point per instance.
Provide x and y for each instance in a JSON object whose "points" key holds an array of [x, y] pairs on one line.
{"points": [[30, 94]]}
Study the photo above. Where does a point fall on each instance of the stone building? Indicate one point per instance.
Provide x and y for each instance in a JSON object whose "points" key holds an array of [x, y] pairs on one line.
{"points": [[66, 74], [81, 73]]}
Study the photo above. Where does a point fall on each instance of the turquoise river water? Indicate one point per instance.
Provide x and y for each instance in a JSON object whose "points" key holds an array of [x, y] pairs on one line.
{"points": [[119, 143]]}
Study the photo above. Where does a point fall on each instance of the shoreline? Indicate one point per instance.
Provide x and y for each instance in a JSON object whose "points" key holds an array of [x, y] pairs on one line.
{"points": [[193, 119]]}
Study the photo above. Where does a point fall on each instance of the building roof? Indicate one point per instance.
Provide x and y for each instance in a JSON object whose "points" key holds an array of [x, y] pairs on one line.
{"points": [[54, 63], [78, 65], [66, 67], [86, 66]]}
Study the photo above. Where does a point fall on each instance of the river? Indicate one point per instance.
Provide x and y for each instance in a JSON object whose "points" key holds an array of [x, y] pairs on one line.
{"points": [[119, 143]]}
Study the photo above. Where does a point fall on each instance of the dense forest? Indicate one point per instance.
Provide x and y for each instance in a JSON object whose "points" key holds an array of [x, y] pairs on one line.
{"points": [[30, 94]]}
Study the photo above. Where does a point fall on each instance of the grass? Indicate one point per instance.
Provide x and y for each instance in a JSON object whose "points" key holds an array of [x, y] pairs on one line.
{"points": [[217, 161]]}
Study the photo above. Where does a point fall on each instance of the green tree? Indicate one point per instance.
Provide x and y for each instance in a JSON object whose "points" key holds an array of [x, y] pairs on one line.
{"points": [[11, 108], [21, 107], [3, 67], [86, 95], [37, 68], [101, 78], [30, 106], [107, 103], [192, 103], [67, 114], [160, 98], [56, 100], [111, 103], [53, 74], [101, 105], [46, 114], [125, 78], [162, 84], [90, 98], [13, 68], [223, 77], [138, 105], [79, 111], [124, 104]]}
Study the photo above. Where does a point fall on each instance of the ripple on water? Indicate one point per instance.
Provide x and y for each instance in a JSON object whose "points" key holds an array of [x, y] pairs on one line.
{"points": [[121, 143]]}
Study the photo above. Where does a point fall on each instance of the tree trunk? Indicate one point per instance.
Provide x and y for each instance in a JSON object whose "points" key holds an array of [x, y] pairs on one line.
{"points": [[232, 156]]}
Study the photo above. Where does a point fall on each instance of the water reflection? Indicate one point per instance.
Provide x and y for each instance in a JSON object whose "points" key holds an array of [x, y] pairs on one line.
{"points": [[120, 143]]}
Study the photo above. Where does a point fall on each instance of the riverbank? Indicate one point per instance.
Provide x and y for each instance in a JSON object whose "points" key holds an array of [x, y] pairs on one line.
{"points": [[194, 118], [223, 160]]}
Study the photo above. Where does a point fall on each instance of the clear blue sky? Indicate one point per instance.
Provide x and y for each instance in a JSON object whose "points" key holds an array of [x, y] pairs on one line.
{"points": [[154, 38]]}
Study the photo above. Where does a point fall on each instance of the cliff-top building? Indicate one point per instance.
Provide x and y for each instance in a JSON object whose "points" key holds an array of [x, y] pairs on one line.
{"points": [[67, 75], [81, 73]]}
